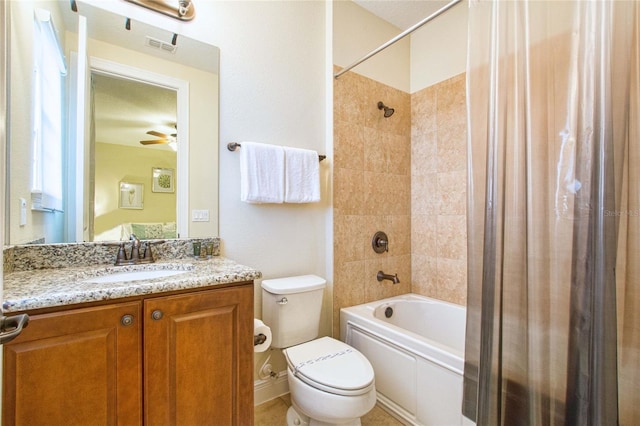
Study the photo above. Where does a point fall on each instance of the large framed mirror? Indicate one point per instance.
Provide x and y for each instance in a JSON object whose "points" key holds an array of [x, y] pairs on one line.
{"points": [[138, 105]]}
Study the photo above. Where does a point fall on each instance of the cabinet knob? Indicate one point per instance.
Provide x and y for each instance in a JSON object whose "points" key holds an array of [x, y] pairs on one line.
{"points": [[157, 314], [126, 320]]}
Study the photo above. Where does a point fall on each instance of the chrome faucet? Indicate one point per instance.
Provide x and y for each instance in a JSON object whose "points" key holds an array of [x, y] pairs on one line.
{"points": [[137, 256], [393, 278]]}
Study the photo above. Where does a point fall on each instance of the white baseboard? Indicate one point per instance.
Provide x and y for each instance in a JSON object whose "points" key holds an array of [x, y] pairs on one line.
{"points": [[268, 389]]}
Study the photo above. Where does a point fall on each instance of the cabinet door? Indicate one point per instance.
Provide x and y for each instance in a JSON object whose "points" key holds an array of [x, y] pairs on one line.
{"points": [[198, 354], [77, 367]]}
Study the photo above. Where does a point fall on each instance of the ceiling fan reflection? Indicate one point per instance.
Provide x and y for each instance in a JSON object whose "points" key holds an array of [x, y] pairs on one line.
{"points": [[164, 139]]}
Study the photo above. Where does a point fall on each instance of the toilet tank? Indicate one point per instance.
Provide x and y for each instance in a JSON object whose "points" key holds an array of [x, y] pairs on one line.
{"points": [[291, 308]]}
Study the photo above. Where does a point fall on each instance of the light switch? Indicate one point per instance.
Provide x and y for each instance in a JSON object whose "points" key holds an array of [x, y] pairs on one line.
{"points": [[200, 215], [23, 212]]}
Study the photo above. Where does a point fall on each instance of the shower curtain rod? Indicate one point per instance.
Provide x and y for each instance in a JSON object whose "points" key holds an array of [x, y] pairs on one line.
{"points": [[398, 37]]}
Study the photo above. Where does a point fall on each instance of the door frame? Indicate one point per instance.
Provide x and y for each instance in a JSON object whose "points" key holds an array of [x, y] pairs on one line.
{"points": [[4, 62], [115, 69]]}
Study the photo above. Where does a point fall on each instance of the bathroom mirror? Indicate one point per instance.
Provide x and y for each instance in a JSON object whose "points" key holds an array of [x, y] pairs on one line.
{"points": [[153, 64]]}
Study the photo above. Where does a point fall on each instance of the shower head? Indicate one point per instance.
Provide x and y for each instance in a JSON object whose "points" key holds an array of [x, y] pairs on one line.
{"points": [[388, 112]]}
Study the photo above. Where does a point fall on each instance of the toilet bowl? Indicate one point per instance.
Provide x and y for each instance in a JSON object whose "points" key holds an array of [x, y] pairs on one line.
{"points": [[330, 382]]}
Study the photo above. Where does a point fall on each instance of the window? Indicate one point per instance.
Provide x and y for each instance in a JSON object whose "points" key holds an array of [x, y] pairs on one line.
{"points": [[47, 122]]}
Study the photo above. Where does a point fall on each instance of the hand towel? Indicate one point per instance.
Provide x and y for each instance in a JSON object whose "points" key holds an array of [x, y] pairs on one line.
{"points": [[261, 173], [302, 176]]}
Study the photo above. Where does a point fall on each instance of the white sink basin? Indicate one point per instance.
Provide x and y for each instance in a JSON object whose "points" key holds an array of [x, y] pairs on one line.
{"points": [[134, 276]]}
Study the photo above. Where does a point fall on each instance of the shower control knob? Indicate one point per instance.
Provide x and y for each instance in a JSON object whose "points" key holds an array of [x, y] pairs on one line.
{"points": [[380, 242]]}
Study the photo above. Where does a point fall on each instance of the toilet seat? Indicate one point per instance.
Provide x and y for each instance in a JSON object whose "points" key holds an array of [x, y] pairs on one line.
{"points": [[332, 366]]}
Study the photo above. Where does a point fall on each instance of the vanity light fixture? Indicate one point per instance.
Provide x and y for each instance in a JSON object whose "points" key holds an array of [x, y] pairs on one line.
{"points": [[184, 10]]}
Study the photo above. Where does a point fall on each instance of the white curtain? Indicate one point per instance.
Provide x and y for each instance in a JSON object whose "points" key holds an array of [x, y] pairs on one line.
{"points": [[553, 227]]}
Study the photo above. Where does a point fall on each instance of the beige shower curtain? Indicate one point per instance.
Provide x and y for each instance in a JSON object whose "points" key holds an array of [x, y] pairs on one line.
{"points": [[628, 262], [554, 213]]}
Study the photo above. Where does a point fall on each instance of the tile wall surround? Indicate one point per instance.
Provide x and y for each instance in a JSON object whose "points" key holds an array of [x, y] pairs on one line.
{"points": [[404, 175], [439, 191], [372, 191]]}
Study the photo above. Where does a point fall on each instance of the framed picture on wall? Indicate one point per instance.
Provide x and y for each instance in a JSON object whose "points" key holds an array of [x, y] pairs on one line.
{"points": [[131, 195], [163, 180]]}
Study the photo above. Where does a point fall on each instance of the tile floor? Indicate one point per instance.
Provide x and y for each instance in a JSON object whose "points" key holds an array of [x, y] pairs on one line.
{"points": [[274, 413]]}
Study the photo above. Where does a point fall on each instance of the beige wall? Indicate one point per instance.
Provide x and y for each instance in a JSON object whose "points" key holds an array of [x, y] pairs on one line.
{"points": [[119, 163]]}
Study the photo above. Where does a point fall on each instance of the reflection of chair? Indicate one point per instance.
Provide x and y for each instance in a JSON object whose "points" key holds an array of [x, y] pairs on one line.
{"points": [[144, 231]]}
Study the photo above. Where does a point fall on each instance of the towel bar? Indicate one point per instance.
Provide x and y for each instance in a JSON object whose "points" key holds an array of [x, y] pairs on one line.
{"points": [[232, 146]]}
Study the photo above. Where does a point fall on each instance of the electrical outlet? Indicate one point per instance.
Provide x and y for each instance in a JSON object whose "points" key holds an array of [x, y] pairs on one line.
{"points": [[200, 215]]}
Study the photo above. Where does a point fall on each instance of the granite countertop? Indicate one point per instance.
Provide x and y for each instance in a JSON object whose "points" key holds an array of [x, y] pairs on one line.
{"points": [[46, 288]]}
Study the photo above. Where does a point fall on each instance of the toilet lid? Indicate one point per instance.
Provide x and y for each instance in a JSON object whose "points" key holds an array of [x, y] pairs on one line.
{"points": [[331, 365], [289, 285]]}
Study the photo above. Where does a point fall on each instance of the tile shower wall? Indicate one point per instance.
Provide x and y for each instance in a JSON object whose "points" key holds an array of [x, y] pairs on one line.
{"points": [[372, 191], [439, 191], [404, 175]]}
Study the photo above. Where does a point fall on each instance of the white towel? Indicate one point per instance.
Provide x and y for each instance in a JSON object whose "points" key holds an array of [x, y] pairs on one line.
{"points": [[302, 176], [261, 173]]}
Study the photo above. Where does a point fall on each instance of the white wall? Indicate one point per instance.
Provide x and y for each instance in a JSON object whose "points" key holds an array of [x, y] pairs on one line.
{"points": [[272, 90], [435, 52], [357, 32], [439, 48]]}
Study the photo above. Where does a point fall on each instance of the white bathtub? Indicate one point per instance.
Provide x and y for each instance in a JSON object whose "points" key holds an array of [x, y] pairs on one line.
{"points": [[417, 355]]}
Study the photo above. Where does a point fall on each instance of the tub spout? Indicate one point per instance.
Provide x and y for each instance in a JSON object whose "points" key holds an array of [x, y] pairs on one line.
{"points": [[393, 278]]}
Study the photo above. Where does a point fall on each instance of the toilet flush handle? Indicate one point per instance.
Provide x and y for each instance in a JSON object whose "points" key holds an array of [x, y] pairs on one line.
{"points": [[282, 301]]}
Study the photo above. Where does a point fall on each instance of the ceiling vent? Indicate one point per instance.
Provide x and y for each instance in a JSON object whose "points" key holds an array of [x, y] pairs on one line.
{"points": [[160, 45]]}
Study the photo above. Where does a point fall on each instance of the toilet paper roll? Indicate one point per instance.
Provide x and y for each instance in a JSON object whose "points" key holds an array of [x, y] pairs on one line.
{"points": [[260, 328]]}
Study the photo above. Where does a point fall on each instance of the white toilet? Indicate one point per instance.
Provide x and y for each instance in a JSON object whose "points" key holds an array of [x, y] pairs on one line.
{"points": [[330, 382]]}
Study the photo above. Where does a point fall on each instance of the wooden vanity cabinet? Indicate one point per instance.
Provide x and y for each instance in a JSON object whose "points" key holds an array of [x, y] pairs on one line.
{"points": [[76, 367], [198, 358], [182, 359]]}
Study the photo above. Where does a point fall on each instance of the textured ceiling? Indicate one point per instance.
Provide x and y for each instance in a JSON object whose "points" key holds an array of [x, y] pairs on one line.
{"points": [[124, 110], [402, 13]]}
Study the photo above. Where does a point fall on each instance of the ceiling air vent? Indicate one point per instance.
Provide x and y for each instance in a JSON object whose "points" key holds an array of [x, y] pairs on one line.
{"points": [[160, 45]]}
